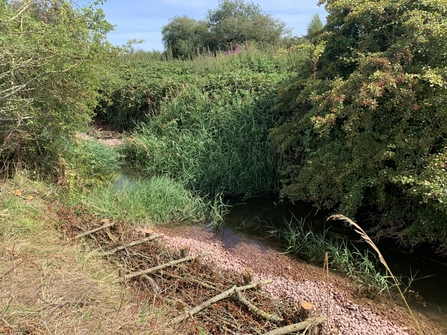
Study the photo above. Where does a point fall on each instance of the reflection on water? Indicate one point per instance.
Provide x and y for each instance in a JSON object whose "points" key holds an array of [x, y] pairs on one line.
{"points": [[427, 275]]}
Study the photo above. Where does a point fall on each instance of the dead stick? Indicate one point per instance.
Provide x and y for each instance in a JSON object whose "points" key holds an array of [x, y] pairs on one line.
{"points": [[256, 310], [296, 327], [131, 244], [162, 266], [14, 267], [108, 224], [217, 298], [192, 280]]}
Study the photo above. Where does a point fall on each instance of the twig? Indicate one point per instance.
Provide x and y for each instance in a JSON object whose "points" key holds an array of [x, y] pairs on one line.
{"points": [[162, 266], [193, 280], [296, 327], [154, 285], [217, 298], [131, 244], [256, 310], [13, 268], [108, 224]]}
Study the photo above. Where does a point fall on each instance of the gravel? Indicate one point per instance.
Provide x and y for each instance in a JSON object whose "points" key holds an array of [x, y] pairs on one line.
{"points": [[292, 279]]}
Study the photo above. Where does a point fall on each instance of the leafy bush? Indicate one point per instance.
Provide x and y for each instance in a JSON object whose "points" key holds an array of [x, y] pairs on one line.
{"points": [[89, 162], [366, 118], [133, 90], [50, 57]]}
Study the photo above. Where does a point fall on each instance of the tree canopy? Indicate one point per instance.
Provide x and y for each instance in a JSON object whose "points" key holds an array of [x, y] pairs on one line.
{"points": [[183, 36], [51, 55], [367, 117], [234, 21]]}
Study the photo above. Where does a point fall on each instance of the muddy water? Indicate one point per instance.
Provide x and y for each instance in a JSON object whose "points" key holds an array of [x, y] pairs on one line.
{"points": [[426, 274]]}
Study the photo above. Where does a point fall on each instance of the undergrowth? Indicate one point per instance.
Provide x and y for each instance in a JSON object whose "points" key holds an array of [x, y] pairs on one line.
{"points": [[153, 201], [360, 266], [49, 285]]}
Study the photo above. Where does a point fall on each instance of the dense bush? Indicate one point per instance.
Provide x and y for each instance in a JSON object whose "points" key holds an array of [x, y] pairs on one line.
{"points": [[367, 117], [50, 56], [133, 89]]}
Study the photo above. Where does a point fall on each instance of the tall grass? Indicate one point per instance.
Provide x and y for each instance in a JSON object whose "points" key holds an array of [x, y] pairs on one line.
{"points": [[212, 141], [361, 266], [368, 240], [158, 200]]}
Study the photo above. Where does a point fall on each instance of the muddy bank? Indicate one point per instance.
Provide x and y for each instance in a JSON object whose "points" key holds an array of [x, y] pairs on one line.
{"points": [[298, 281]]}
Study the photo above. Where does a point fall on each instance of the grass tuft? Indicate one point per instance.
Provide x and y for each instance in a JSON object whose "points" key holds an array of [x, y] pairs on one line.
{"points": [[155, 201], [368, 240]]}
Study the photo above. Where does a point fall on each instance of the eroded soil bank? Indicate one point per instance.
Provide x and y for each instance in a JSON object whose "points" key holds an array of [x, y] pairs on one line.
{"points": [[333, 296]]}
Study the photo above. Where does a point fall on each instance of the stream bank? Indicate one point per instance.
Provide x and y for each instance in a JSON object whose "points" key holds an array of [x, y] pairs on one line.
{"points": [[299, 281]]}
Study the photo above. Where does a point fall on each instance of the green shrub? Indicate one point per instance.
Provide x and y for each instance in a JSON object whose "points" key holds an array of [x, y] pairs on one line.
{"points": [[86, 163]]}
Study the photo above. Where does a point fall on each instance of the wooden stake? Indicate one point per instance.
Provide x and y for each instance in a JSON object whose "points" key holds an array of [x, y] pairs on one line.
{"points": [[306, 310], [248, 276], [326, 264], [184, 251]]}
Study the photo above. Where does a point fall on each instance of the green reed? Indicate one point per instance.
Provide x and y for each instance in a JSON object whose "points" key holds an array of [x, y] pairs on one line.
{"points": [[158, 200], [361, 266]]}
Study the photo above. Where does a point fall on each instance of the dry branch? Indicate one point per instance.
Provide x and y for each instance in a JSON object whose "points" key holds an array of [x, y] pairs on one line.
{"points": [[217, 298], [162, 266], [271, 317], [131, 244], [192, 280], [296, 327], [108, 224]]}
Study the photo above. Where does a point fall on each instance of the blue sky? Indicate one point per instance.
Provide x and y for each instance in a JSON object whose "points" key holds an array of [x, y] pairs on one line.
{"points": [[144, 19]]}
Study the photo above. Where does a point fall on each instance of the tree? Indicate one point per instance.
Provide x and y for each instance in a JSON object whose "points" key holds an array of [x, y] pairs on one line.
{"points": [[183, 36], [238, 22], [367, 123], [315, 26], [51, 56], [231, 23]]}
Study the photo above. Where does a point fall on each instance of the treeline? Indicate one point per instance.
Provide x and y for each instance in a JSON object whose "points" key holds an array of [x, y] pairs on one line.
{"points": [[233, 23]]}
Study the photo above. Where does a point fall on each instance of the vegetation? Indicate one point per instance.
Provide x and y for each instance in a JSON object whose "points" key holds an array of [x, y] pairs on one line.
{"points": [[366, 117], [50, 56], [212, 136], [351, 116], [152, 201], [299, 239], [56, 286], [233, 22]]}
